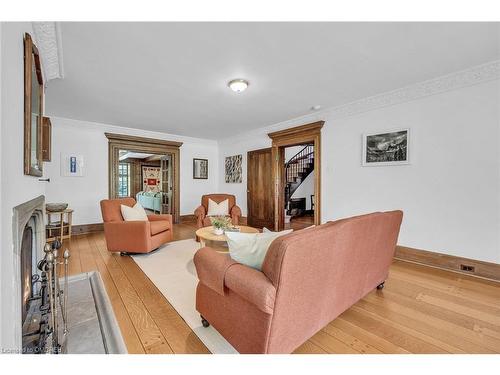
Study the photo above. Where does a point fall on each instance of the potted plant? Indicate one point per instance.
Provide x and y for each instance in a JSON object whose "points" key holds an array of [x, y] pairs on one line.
{"points": [[220, 223]]}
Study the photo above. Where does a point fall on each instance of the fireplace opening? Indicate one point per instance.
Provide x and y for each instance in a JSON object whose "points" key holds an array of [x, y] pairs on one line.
{"points": [[26, 270]]}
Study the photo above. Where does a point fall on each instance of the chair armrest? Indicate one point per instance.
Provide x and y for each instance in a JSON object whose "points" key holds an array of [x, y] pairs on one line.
{"points": [[200, 212], [236, 211], [211, 268], [252, 285], [130, 235], [162, 217]]}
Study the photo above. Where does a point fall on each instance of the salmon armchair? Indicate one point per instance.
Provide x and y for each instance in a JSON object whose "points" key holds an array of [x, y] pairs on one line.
{"points": [[133, 236], [202, 220], [308, 278]]}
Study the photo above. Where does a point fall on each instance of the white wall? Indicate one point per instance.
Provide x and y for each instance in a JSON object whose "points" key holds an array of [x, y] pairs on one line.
{"points": [[290, 152], [16, 187], [305, 190], [450, 193], [88, 139], [1, 126]]}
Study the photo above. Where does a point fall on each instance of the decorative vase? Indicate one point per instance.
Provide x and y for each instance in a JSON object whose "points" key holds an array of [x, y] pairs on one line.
{"points": [[218, 231]]}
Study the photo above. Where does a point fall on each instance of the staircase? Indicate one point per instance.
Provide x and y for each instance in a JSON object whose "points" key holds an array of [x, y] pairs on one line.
{"points": [[297, 169]]}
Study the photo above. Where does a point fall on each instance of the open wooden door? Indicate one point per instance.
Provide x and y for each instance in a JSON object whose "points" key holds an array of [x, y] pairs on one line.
{"points": [[260, 201], [166, 185]]}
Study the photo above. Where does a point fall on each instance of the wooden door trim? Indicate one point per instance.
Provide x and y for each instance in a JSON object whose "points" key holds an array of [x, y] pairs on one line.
{"points": [[308, 133], [142, 140], [150, 145]]}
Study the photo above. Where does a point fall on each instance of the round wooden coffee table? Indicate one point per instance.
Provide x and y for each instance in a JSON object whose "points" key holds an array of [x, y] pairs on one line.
{"points": [[207, 234]]}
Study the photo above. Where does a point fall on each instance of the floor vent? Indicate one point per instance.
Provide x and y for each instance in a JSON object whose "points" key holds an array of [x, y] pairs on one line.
{"points": [[467, 268]]}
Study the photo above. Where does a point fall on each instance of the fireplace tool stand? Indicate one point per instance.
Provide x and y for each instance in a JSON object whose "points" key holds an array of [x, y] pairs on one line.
{"points": [[49, 305]]}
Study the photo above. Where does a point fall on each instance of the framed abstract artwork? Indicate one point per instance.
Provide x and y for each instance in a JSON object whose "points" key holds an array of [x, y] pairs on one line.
{"points": [[386, 148], [200, 169], [233, 173]]}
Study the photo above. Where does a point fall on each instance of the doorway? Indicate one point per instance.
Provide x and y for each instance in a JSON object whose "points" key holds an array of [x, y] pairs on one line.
{"points": [[147, 178], [309, 137], [147, 170], [299, 186]]}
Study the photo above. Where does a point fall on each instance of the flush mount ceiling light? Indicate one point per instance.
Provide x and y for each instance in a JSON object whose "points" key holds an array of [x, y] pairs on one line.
{"points": [[316, 107], [238, 85]]}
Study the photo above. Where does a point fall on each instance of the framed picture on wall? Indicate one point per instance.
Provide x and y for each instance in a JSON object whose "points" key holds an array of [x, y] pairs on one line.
{"points": [[72, 165], [151, 179], [386, 148], [200, 169], [233, 172]]}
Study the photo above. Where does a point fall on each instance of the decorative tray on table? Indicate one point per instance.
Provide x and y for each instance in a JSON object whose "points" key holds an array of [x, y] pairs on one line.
{"points": [[232, 229]]}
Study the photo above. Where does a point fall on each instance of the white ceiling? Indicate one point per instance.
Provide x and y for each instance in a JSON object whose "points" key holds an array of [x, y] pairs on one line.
{"points": [[172, 77], [135, 155]]}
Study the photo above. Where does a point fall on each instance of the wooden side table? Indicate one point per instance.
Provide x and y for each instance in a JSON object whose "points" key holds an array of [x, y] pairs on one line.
{"points": [[59, 229]]}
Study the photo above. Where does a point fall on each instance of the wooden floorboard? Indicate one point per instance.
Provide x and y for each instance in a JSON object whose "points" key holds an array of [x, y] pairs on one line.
{"points": [[421, 309], [131, 337]]}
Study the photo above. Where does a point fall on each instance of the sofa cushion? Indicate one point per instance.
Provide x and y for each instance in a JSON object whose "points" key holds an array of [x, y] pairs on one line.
{"points": [[159, 226], [218, 209], [250, 248], [135, 213]]}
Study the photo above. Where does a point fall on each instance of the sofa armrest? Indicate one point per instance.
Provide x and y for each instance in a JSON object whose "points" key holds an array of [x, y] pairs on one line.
{"points": [[211, 268], [129, 235], [252, 285]]}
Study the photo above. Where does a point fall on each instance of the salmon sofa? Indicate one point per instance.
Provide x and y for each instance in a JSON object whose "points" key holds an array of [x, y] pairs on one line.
{"points": [[308, 278]]}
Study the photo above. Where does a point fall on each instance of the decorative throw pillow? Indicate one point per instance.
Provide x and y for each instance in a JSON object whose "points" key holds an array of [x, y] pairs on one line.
{"points": [[135, 213], [218, 209], [250, 249]]}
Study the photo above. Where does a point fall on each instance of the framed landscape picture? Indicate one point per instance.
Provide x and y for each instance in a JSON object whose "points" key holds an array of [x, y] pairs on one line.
{"points": [[200, 169], [389, 148]]}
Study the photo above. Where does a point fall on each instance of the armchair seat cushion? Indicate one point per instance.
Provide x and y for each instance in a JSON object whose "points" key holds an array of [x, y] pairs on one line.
{"points": [[159, 226]]}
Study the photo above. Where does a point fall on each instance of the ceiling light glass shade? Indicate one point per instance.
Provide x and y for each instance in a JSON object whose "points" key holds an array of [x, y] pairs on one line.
{"points": [[238, 85]]}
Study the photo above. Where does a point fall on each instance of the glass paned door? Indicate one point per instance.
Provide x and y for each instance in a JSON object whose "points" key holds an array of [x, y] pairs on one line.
{"points": [[123, 180]]}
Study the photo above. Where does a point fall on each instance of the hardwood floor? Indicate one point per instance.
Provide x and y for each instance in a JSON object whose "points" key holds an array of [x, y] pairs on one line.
{"points": [[421, 309], [300, 222]]}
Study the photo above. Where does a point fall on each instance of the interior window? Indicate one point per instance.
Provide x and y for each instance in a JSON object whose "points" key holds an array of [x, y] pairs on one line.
{"points": [[123, 180]]}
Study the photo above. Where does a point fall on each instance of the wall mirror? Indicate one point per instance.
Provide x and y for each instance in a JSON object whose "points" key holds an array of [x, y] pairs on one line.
{"points": [[33, 109]]}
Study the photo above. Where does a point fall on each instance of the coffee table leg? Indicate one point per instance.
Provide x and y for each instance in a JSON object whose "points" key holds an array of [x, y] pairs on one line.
{"points": [[202, 242]]}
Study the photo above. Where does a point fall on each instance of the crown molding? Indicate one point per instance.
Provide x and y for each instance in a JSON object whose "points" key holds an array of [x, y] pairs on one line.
{"points": [[85, 125], [453, 81], [464, 78], [49, 43]]}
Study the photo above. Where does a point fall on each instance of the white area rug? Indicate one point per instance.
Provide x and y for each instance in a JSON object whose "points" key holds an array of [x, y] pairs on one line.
{"points": [[172, 270]]}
